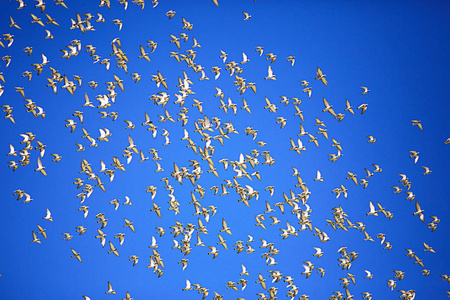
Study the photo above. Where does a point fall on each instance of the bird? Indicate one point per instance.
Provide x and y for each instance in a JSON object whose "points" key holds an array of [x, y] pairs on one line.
{"points": [[153, 45], [223, 55], [76, 254], [184, 262], [118, 22], [127, 199], [291, 59], [37, 20], [261, 281], [270, 74], [49, 35], [225, 227], [363, 108], [42, 231], [282, 121], [426, 170], [321, 76], [371, 139], [428, 248], [13, 23], [71, 123], [48, 216], [244, 271], [170, 14], [143, 53], [214, 252], [85, 210], [308, 266], [113, 249], [318, 176], [391, 283], [40, 167], [175, 40], [101, 236], [129, 224], [368, 274], [348, 107], [365, 90], [417, 123], [35, 239], [318, 253], [415, 155], [134, 258], [247, 16], [272, 57], [67, 236], [419, 212], [372, 211], [188, 286], [110, 289]]}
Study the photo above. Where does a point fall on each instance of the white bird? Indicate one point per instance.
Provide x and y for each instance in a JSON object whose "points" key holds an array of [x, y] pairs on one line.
{"points": [[127, 201], [372, 211], [391, 283], [246, 16], [110, 289], [214, 251], [48, 216], [188, 286], [40, 168], [244, 271], [318, 253], [427, 170], [363, 107], [244, 58], [365, 90], [415, 155], [12, 151], [368, 274], [318, 177], [270, 74]]}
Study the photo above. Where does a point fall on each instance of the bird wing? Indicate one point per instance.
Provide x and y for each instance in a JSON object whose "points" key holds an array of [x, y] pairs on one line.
{"points": [[224, 224], [39, 163], [269, 71], [418, 206]]}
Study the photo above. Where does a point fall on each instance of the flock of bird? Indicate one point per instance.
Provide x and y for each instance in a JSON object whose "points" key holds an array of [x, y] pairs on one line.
{"points": [[209, 133]]}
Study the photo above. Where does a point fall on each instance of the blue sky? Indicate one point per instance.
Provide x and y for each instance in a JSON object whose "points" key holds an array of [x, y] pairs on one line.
{"points": [[397, 50]]}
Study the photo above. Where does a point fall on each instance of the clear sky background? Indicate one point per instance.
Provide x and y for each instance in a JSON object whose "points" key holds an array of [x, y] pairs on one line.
{"points": [[399, 50]]}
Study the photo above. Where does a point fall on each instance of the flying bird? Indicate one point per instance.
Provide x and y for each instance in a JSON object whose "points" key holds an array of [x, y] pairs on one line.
{"points": [[246, 16], [321, 76]]}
